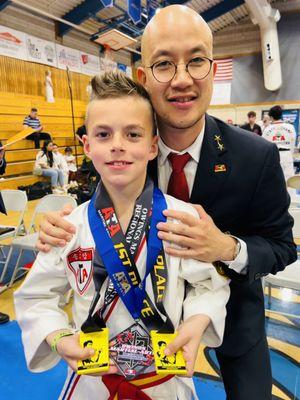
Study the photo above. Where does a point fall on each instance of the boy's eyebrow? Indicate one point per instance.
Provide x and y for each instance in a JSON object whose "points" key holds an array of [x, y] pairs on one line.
{"points": [[130, 126], [135, 126]]}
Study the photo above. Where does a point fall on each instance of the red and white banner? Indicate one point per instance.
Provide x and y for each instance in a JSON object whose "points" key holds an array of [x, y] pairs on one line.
{"points": [[224, 70]]}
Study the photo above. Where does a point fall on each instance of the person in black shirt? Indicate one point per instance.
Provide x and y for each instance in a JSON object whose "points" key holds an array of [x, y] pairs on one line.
{"points": [[252, 126]]}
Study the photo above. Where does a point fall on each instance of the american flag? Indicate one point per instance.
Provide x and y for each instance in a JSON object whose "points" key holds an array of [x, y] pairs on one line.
{"points": [[224, 70]]}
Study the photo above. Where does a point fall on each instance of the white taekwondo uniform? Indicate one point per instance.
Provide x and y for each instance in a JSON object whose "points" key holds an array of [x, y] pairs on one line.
{"points": [[53, 274], [284, 136]]}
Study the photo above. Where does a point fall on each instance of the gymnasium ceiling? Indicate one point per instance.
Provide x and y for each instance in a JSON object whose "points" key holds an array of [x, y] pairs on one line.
{"points": [[92, 17]]}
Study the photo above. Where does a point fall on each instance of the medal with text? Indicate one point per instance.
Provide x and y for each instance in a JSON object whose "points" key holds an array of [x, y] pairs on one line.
{"points": [[99, 362], [131, 351], [174, 364]]}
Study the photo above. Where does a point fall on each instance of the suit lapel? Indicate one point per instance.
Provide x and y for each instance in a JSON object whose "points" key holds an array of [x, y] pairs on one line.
{"points": [[213, 168]]}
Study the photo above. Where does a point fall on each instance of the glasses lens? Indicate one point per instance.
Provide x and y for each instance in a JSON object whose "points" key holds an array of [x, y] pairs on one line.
{"points": [[199, 67], [163, 71]]}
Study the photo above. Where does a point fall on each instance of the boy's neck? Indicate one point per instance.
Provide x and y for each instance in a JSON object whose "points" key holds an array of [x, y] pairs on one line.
{"points": [[124, 200]]}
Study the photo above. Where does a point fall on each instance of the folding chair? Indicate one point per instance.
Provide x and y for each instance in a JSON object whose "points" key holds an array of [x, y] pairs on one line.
{"points": [[290, 276], [51, 202], [16, 201]]}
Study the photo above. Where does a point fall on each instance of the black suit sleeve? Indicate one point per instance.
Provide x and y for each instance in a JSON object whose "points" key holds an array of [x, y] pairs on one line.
{"points": [[269, 236], [2, 164]]}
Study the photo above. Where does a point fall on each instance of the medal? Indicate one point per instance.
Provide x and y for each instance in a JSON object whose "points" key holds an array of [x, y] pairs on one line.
{"points": [[131, 351], [99, 362], [174, 364]]}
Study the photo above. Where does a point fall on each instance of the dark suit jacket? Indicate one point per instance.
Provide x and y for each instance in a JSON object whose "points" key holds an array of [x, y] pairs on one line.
{"points": [[256, 128], [247, 198], [2, 170]]}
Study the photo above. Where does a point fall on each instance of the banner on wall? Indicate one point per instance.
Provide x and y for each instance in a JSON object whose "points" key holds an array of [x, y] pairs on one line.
{"points": [[134, 10], [221, 93], [12, 43], [90, 65], [41, 51], [68, 57], [152, 6], [107, 64]]}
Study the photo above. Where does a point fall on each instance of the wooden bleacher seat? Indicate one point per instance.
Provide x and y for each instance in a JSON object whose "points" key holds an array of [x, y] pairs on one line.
{"points": [[55, 118]]}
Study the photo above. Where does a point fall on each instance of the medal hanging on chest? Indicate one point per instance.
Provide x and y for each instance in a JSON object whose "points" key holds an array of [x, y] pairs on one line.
{"points": [[131, 349]]}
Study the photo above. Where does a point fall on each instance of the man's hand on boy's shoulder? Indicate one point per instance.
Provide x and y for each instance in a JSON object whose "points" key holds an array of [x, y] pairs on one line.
{"points": [[55, 230], [188, 339], [198, 237]]}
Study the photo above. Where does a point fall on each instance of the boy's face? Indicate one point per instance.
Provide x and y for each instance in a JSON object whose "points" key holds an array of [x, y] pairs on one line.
{"points": [[120, 140], [54, 148]]}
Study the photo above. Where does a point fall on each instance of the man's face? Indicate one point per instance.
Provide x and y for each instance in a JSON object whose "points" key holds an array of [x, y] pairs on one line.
{"points": [[252, 119], [121, 147], [33, 114], [177, 37]]}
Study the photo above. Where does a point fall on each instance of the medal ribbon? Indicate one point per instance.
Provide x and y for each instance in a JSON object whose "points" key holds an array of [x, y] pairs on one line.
{"points": [[117, 253]]}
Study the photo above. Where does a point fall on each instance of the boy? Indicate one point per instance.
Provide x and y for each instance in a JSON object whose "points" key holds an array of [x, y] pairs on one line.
{"points": [[120, 141]]}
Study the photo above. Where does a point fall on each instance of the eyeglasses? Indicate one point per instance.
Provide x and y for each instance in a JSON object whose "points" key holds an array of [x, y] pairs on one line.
{"points": [[198, 68]]}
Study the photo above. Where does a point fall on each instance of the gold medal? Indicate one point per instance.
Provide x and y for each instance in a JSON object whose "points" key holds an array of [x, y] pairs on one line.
{"points": [[99, 362], [174, 364]]}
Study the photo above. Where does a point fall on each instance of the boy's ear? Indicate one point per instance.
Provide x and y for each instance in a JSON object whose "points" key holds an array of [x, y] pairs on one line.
{"points": [[86, 145], [153, 148]]}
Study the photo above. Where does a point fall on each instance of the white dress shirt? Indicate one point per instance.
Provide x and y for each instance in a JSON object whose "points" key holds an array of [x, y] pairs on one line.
{"points": [[164, 172]]}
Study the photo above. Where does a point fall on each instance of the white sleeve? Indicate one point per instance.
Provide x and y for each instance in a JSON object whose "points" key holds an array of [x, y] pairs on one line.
{"points": [[207, 293], [37, 309]]}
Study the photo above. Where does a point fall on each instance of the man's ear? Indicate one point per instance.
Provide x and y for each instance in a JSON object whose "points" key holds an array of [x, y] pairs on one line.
{"points": [[86, 145], [141, 75], [215, 67]]}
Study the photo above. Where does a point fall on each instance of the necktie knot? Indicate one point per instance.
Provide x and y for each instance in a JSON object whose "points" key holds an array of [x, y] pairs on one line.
{"points": [[178, 161]]}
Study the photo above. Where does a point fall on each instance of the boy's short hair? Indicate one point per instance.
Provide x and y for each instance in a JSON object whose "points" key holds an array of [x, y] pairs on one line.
{"points": [[251, 114], [275, 112], [33, 109], [68, 149], [116, 84]]}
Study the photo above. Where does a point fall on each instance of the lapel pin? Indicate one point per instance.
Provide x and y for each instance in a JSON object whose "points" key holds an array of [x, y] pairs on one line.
{"points": [[220, 168]]}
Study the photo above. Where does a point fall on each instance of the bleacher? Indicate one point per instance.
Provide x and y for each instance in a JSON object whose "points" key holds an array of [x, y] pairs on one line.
{"points": [[56, 119]]}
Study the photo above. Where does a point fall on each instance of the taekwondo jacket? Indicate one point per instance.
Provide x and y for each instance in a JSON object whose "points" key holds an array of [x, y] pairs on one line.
{"points": [[53, 274]]}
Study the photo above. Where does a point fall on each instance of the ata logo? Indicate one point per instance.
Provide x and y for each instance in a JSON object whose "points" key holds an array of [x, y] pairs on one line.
{"points": [[80, 262]]}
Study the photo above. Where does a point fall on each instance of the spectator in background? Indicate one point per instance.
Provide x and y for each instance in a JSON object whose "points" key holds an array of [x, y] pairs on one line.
{"points": [[60, 162], [49, 87], [33, 122], [3, 317], [284, 136], [71, 165], [80, 132], [265, 122], [2, 160], [251, 125], [45, 165]]}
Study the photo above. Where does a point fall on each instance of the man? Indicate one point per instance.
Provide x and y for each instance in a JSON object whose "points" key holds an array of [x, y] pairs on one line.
{"points": [[284, 136], [3, 317], [33, 122], [245, 227], [252, 126]]}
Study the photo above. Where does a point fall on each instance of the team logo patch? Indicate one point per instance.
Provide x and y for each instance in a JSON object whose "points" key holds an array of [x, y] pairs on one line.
{"points": [[220, 168], [80, 262]]}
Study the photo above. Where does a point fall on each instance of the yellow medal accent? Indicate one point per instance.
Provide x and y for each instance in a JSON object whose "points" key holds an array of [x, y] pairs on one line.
{"points": [[99, 362], [174, 364]]}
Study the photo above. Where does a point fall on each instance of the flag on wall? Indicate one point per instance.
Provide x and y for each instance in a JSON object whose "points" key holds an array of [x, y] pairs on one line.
{"points": [[224, 70]]}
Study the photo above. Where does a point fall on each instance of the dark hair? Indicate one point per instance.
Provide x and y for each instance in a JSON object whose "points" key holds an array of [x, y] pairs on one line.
{"points": [[87, 342], [161, 342], [48, 154], [275, 112], [68, 149], [54, 144], [81, 131], [251, 114], [33, 109], [115, 84]]}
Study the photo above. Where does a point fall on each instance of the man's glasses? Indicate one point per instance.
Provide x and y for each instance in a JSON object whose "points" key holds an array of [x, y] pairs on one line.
{"points": [[198, 68]]}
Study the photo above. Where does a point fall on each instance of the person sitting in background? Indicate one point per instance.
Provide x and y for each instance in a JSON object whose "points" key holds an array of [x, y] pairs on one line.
{"points": [[251, 126], [283, 135], [60, 162], [3, 317], [265, 122], [45, 165], [34, 122], [2, 160], [71, 165]]}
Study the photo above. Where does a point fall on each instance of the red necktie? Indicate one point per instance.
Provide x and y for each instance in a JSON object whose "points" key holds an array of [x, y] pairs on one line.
{"points": [[178, 186]]}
